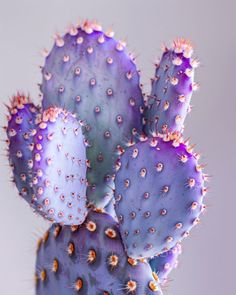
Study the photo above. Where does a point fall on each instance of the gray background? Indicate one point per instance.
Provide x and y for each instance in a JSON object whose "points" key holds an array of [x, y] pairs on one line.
{"points": [[207, 266]]}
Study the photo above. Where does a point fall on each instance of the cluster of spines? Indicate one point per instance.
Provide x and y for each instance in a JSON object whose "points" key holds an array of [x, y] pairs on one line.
{"points": [[88, 27]]}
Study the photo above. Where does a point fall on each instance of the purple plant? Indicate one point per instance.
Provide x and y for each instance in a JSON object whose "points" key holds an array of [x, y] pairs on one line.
{"points": [[20, 131], [91, 74], [164, 263], [59, 167], [90, 259], [172, 88], [97, 145], [159, 197]]}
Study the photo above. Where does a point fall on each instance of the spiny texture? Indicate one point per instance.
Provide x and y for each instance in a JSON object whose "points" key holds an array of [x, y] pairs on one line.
{"points": [[90, 74], [159, 195], [59, 168], [20, 131], [165, 262], [91, 260], [172, 89]]}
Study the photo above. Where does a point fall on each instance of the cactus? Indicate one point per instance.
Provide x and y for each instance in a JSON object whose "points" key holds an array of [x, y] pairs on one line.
{"points": [[90, 74], [97, 146], [165, 262], [110, 209], [38, 145], [59, 168], [90, 259], [20, 131], [158, 198], [172, 89]]}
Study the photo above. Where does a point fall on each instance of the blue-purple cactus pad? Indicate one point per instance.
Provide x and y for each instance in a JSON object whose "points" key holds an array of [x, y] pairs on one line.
{"points": [[90, 259], [20, 131], [110, 209], [59, 168], [172, 89], [165, 262], [159, 194], [90, 74]]}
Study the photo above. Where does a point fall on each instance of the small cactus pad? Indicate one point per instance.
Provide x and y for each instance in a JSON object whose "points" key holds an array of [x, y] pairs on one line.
{"points": [[159, 194], [20, 131], [172, 89], [165, 262], [90, 74], [90, 259], [59, 168]]}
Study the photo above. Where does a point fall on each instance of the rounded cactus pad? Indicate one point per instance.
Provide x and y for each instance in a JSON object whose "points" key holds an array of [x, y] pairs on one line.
{"points": [[89, 73], [165, 262], [159, 195], [90, 259], [59, 168], [172, 89], [20, 131]]}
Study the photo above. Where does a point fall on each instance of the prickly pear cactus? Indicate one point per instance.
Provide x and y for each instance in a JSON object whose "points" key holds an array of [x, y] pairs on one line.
{"points": [[90, 259], [159, 197], [90, 73], [22, 116], [172, 88], [160, 184], [109, 168], [165, 262], [59, 167]]}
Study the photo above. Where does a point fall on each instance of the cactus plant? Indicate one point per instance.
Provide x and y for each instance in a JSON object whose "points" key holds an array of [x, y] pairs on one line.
{"points": [[158, 198], [165, 262], [172, 88], [110, 209], [90, 74], [96, 145], [90, 259], [59, 167], [48, 167], [22, 116]]}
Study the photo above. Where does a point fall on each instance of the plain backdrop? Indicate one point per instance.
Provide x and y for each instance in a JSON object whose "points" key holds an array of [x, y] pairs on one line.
{"points": [[207, 266]]}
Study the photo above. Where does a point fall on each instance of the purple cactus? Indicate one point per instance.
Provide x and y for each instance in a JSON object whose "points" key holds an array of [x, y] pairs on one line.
{"points": [[90, 259], [20, 132], [165, 262], [159, 195], [90, 74], [172, 89], [110, 209], [59, 167], [93, 139]]}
